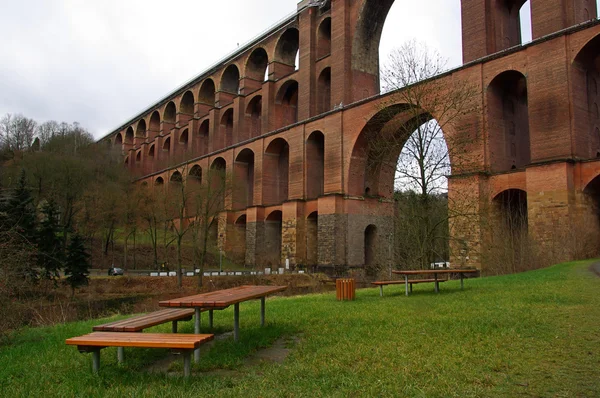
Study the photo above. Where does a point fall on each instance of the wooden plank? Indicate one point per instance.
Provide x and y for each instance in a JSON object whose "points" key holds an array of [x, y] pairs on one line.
{"points": [[380, 283], [139, 323], [223, 298], [435, 271], [147, 340]]}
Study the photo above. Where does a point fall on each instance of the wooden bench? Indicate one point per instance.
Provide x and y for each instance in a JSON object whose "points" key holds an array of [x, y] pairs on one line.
{"points": [[178, 343], [411, 282], [141, 322]]}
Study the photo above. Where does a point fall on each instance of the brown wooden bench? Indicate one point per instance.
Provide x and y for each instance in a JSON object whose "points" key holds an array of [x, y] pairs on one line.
{"points": [[178, 343], [411, 282], [141, 322]]}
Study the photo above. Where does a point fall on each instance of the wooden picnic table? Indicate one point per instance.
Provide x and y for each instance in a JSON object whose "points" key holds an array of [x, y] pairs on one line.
{"points": [[435, 273], [221, 299]]}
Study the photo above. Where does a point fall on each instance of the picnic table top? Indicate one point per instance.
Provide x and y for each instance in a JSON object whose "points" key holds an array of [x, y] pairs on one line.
{"points": [[223, 298], [435, 271]]}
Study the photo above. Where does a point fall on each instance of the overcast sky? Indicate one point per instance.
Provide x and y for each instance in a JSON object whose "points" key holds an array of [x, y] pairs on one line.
{"points": [[100, 62]]}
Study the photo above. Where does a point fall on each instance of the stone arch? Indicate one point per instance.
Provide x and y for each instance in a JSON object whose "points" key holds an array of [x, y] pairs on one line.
{"points": [[195, 175], [159, 181], [312, 239], [193, 184], [287, 100], [273, 238], [176, 178], [276, 172], [230, 79], [226, 129], [287, 47], [511, 208], [218, 181], [586, 98], [257, 64], [170, 112], [155, 121], [203, 137], [508, 122], [324, 38], [152, 151], [373, 164], [508, 23], [140, 130], [129, 136], [315, 165], [187, 103], [590, 217], [119, 140], [167, 145], [207, 92], [244, 179], [239, 240], [324, 91], [254, 114], [184, 139], [138, 157]]}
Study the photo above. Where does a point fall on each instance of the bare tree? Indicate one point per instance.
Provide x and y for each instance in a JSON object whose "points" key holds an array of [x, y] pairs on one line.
{"points": [[17, 132]]}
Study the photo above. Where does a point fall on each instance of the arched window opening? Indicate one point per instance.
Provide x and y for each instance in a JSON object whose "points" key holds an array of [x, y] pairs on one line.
{"points": [[324, 38], [230, 81], [218, 184], [159, 181], [508, 116], [324, 91], [155, 121], [288, 100], [315, 165], [254, 113], [140, 131], [288, 47], [273, 232], [151, 151], [276, 172], [138, 157], [184, 139], [187, 103], [226, 136], [170, 112], [256, 67], [508, 24], [167, 145], [119, 140], [312, 240], [207, 93], [244, 179], [525, 22], [203, 137], [297, 61], [510, 232], [239, 240], [193, 184], [586, 77], [195, 175], [370, 248], [129, 136], [176, 178]]}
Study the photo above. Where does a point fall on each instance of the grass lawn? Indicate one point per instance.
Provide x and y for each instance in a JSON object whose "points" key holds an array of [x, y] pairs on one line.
{"points": [[533, 334]]}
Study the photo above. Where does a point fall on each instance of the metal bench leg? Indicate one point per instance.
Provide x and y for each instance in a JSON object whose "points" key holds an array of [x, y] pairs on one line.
{"points": [[406, 284], [437, 284], [197, 331], [120, 354], [262, 311], [380, 290], [236, 322], [174, 327], [96, 361], [210, 319], [187, 363]]}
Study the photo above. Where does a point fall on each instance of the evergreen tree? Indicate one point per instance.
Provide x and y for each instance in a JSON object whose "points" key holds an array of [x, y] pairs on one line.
{"points": [[20, 212], [50, 253], [77, 266]]}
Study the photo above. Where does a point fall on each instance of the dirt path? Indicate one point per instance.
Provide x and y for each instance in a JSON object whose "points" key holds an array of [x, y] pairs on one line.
{"points": [[596, 268]]}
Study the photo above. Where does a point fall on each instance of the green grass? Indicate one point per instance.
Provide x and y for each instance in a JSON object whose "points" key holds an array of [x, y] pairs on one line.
{"points": [[533, 334]]}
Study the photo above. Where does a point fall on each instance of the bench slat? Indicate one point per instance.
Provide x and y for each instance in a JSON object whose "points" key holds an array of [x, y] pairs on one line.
{"points": [[401, 282], [147, 340], [141, 322]]}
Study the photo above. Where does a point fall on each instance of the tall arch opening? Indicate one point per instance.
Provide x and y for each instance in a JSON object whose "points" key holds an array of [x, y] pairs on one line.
{"points": [[312, 240], [151, 152], [140, 131], [244, 179], [129, 136], [230, 80], [287, 47], [218, 184], [586, 98], [193, 186], [324, 91], [589, 224], [184, 139], [370, 248], [187, 103], [119, 140], [508, 120], [167, 145], [226, 130], [276, 172], [155, 122], [239, 241], [287, 99], [315, 165], [273, 232], [257, 64], [324, 38], [203, 137], [170, 113], [508, 24], [254, 116], [207, 92], [159, 181]]}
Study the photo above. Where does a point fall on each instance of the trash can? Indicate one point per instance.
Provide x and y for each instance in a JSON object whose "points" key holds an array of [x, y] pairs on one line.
{"points": [[345, 289]]}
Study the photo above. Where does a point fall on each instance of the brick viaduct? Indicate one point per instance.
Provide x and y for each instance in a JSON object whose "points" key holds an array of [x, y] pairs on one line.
{"points": [[291, 128]]}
